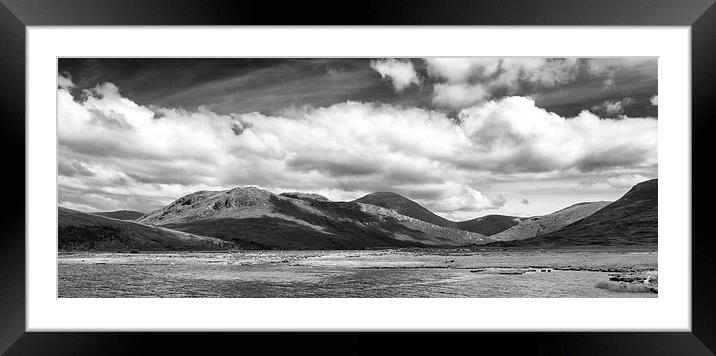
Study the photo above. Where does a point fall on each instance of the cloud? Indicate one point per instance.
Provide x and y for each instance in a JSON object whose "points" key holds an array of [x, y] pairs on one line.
{"points": [[461, 70], [463, 82], [612, 107], [524, 201], [541, 71], [142, 157], [460, 198], [622, 182], [458, 95], [610, 68], [654, 100], [626, 180], [401, 73], [64, 80], [513, 135], [72, 168]]}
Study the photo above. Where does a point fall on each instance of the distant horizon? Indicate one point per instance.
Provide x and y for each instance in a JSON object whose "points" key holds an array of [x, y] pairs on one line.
{"points": [[463, 137]]}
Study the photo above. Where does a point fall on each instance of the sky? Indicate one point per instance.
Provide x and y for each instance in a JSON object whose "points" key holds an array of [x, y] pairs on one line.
{"points": [[465, 137]]}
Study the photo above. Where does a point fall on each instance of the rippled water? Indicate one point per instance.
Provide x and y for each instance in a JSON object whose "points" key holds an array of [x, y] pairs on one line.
{"points": [[301, 275]]}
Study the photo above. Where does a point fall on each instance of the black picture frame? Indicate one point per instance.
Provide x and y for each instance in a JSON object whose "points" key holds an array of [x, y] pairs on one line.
{"points": [[16, 15]]}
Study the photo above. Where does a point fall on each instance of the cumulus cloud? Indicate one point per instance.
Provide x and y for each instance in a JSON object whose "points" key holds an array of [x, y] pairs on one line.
{"points": [[401, 73], [461, 70], [612, 107], [463, 82], [455, 196], [654, 100], [514, 135], [542, 71], [142, 157], [458, 95], [64, 80]]}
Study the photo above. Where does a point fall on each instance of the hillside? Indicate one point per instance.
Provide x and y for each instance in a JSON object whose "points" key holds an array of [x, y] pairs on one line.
{"points": [[253, 218], [489, 224], [405, 206], [121, 214], [539, 225], [83, 231], [629, 221], [300, 221]]}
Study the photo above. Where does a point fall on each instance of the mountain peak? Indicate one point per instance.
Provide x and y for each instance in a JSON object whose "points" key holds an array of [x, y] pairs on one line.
{"points": [[404, 206], [205, 204], [489, 224], [304, 196], [385, 195], [645, 190]]}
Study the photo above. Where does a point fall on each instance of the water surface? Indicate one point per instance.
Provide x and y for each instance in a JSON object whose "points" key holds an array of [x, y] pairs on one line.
{"points": [[350, 274]]}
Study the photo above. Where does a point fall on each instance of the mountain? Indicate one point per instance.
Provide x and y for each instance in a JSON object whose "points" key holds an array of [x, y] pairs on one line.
{"points": [[405, 206], [631, 220], [489, 224], [539, 225], [486, 225], [301, 221], [121, 214], [252, 218], [299, 195], [83, 231]]}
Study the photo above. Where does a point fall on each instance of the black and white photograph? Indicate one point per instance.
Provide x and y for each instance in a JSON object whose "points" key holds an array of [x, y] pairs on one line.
{"points": [[437, 177]]}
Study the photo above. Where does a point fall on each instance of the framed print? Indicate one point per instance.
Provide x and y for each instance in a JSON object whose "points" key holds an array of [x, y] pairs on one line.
{"points": [[506, 171]]}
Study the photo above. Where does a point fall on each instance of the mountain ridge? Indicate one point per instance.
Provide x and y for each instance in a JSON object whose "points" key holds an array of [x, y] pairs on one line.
{"points": [[542, 224], [405, 206], [631, 220], [490, 224], [77, 230], [300, 221]]}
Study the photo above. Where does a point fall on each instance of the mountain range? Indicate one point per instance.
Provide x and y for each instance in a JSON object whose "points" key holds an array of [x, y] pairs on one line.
{"points": [[253, 218]]}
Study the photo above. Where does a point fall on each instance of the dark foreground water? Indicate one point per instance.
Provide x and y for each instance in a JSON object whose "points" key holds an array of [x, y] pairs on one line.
{"points": [[298, 274]]}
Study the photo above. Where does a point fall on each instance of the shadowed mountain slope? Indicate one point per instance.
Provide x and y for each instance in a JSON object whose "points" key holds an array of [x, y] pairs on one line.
{"points": [[82, 231], [121, 214], [539, 225], [489, 224], [630, 221], [405, 206], [300, 221]]}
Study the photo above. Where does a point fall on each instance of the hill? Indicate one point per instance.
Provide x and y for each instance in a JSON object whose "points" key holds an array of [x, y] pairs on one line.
{"points": [[632, 220], [539, 225], [405, 206], [300, 221], [83, 231], [121, 214], [489, 224]]}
